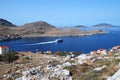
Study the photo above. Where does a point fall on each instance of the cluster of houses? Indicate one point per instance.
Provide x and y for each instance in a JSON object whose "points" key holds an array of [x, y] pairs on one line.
{"points": [[102, 51], [9, 37], [5, 50]]}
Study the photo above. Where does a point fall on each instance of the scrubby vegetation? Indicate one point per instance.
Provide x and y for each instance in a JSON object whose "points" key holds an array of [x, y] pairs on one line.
{"points": [[85, 71], [67, 53], [10, 57], [81, 67]]}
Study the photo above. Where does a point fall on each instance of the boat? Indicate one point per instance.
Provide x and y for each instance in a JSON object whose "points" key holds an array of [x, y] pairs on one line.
{"points": [[58, 40]]}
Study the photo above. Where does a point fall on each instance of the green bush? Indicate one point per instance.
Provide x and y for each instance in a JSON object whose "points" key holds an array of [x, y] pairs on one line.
{"points": [[10, 57], [67, 53], [0, 57]]}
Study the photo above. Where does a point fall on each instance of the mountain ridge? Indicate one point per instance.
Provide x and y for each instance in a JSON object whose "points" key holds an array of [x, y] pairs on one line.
{"points": [[4, 22]]}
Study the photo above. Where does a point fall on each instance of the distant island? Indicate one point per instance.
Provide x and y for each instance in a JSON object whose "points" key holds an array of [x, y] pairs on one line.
{"points": [[103, 25], [79, 26], [41, 28]]}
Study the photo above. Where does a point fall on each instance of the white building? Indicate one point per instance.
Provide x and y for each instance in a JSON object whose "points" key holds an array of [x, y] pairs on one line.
{"points": [[4, 49]]}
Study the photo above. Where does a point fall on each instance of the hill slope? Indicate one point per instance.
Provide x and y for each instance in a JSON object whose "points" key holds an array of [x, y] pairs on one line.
{"points": [[41, 28], [6, 23], [33, 29]]}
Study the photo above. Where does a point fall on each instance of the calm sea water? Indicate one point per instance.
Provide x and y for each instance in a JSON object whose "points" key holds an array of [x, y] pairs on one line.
{"points": [[79, 44]]}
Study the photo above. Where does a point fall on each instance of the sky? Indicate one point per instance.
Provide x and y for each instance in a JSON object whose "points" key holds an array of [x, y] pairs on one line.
{"points": [[61, 12]]}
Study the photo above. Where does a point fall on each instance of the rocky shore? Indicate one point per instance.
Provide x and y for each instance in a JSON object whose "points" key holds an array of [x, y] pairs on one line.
{"points": [[34, 32], [97, 65], [73, 32]]}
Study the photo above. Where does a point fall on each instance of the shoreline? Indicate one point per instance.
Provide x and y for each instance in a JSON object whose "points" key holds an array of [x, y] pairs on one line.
{"points": [[80, 35]]}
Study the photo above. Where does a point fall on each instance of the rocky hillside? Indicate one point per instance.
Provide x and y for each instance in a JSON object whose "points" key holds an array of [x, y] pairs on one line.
{"points": [[97, 65], [41, 28], [6, 23], [39, 24], [37, 28], [34, 29], [28, 30], [5, 28]]}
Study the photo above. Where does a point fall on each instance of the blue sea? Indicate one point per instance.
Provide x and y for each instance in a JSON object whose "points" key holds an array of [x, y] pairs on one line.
{"points": [[83, 44]]}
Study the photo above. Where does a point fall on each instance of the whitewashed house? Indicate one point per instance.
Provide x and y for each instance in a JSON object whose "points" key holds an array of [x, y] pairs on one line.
{"points": [[4, 49]]}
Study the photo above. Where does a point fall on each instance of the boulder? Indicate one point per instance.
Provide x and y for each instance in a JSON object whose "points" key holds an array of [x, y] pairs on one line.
{"points": [[67, 64], [115, 76], [98, 69]]}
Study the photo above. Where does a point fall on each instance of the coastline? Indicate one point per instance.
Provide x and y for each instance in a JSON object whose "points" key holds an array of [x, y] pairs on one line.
{"points": [[80, 35]]}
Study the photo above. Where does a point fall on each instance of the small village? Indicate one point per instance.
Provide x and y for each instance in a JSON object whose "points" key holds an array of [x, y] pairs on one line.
{"points": [[101, 64]]}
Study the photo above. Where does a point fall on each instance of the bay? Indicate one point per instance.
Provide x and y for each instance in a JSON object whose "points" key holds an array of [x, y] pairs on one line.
{"points": [[83, 44]]}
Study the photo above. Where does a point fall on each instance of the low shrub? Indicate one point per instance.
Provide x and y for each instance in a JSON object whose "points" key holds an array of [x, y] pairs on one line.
{"points": [[67, 53], [10, 57]]}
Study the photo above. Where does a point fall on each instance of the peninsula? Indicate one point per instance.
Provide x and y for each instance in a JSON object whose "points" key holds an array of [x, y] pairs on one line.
{"points": [[40, 28]]}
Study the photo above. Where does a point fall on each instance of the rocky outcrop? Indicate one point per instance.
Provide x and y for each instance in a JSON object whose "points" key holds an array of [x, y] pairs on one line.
{"points": [[116, 76], [70, 67], [48, 73]]}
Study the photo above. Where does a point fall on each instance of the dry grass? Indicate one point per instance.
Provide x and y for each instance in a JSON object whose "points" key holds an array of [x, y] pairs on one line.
{"points": [[85, 71], [78, 72], [24, 63]]}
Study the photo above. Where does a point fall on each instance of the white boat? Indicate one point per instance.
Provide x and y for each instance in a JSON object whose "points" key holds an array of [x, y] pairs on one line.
{"points": [[58, 40]]}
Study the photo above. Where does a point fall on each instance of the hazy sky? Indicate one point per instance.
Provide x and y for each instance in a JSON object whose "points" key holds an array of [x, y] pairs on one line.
{"points": [[61, 12]]}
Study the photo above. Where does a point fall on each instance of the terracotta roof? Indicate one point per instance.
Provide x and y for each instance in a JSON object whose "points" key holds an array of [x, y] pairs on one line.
{"points": [[4, 46]]}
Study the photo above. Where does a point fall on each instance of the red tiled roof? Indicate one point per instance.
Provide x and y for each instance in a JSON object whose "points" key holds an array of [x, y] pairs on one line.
{"points": [[4, 46]]}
